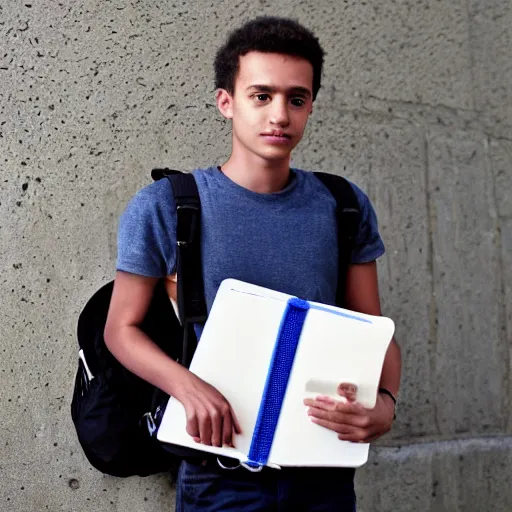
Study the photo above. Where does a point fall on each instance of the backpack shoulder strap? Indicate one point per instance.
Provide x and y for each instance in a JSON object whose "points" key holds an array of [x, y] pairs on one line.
{"points": [[191, 301], [348, 217]]}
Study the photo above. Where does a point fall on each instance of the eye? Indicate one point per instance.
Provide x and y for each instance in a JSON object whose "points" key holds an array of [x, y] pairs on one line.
{"points": [[262, 97], [298, 102]]}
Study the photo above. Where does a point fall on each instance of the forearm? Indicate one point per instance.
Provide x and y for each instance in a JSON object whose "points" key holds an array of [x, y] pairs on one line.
{"points": [[135, 351], [391, 370]]}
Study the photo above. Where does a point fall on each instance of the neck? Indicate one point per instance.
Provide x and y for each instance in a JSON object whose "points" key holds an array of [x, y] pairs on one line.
{"points": [[256, 174]]}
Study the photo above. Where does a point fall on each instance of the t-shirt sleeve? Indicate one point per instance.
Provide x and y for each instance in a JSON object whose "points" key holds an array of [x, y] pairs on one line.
{"points": [[369, 245], [146, 238]]}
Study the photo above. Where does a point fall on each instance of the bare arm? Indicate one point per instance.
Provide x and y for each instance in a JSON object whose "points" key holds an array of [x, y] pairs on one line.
{"points": [[351, 420], [363, 296], [134, 350], [209, 416]]}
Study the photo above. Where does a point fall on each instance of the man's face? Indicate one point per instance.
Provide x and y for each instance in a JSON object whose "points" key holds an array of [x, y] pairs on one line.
{"points": [[271, 104]]}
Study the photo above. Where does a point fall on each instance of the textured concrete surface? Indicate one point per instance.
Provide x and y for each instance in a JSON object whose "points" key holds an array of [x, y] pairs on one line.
{"points": [[491, 44], [466, 271], [416, 108], [444, 476]]}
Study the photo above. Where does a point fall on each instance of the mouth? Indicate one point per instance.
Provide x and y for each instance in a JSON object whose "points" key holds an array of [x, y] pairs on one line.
{"points": [[276, 138], [277, 134]]}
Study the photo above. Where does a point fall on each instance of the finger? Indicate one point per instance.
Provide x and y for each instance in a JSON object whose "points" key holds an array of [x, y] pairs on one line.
{"points": [[227, 430], [331, 425], [346, 406], [345, 432], [329, 404], [216, 425], [322, 414], [356, 436], [205, 428], [346, 420], [319, 402], [236, 425], [217, 431], [348, 430], [339, 417], [192, 423]]}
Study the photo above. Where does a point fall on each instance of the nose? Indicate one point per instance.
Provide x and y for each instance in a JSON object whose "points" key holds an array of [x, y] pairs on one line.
{"points": [[279, 112]]}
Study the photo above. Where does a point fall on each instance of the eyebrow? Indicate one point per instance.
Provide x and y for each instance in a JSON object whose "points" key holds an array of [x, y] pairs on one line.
{"points": [[268, 88]]}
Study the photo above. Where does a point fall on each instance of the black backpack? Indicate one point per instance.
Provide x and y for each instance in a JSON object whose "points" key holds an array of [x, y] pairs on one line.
{"points": [[116, 414]]}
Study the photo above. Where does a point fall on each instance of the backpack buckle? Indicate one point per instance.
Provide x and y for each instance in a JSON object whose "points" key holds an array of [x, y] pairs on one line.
{"points": [[187, 224]]}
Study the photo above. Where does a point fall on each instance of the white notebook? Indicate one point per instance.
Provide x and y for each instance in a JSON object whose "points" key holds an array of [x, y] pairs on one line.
{"points": [[234, 354]]}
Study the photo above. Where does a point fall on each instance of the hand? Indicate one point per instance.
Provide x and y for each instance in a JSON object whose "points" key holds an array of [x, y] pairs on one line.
{"points": [[210, 419], [349, 419]]}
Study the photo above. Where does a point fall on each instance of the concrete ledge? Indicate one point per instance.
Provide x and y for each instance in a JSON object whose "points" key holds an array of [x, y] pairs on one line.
{"points": [[469, 475]]}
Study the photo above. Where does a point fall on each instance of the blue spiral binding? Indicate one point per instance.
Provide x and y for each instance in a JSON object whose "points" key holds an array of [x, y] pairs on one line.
{"points": [[277, 381]]}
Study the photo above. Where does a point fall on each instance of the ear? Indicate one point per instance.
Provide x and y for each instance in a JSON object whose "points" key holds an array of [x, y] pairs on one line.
{"points": [[224, 103]]}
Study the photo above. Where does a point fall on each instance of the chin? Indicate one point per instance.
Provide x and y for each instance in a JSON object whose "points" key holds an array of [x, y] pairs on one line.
{"points": [[275, 158], [275, 153]]}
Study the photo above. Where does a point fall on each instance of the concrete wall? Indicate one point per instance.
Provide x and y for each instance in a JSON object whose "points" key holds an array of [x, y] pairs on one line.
{"points": [[416, 107]]}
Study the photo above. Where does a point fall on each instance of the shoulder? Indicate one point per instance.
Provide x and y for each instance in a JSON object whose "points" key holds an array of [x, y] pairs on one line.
{"points": [[158, 195], [315, 181], [146, 230], [361, 195], [310, 183], [150, 206], [369, 244], [153, 194], [205, 172]]}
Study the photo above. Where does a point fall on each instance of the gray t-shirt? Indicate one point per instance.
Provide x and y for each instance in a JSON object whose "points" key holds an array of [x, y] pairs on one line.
{"points": [[285, 241]]}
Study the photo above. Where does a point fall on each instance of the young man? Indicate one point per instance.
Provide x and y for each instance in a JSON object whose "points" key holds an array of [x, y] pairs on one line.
{"points": [[266, 224]]}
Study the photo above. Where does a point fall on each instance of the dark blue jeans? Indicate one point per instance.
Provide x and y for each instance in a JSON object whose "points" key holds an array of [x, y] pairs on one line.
{"points": [[208, 488]]}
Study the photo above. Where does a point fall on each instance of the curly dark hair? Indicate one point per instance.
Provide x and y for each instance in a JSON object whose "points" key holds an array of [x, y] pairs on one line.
{"points": [[268, 34]]}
